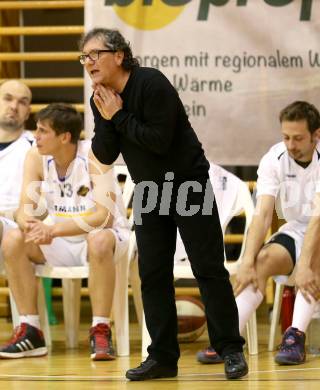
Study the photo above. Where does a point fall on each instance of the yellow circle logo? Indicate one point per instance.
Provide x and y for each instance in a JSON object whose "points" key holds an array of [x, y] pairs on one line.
{"points": [[148, 17]]}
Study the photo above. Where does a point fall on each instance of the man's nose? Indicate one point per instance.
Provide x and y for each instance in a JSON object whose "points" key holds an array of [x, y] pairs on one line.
{"points": [[291, 145], [14, 104]]}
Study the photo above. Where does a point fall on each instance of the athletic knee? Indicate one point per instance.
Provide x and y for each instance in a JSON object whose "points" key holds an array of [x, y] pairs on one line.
{"points": [[12, 242], [263, 264], [101, 246]]}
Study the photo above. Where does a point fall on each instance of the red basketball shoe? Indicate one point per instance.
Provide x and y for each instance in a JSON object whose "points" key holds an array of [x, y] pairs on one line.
{"points": [[101, 343]]}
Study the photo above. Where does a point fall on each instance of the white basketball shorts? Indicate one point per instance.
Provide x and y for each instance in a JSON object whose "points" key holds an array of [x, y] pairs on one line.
{"points": [[66, 253]]}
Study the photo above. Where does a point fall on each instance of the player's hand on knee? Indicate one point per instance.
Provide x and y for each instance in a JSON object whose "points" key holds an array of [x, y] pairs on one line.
{"points": [[246, 275], [308, 282]]}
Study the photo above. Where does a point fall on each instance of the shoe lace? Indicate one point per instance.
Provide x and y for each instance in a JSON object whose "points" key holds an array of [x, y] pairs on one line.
{"points": [[101, 333], [288, 344], [18, 332], [146, 363]]}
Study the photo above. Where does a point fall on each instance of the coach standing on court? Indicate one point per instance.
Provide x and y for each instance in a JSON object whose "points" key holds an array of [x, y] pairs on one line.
{"points": [[138, 113]]}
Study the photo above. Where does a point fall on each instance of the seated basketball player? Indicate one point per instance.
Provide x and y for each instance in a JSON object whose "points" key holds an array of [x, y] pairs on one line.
{"points": [[288, 173], [15, 99], [86, 225]]}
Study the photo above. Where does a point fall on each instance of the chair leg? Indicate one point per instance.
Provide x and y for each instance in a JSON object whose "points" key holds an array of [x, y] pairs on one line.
{"points": [[146, 340], [71, 310], [252, 335], [135, 283], [121, 307], [43, 314], [275, 315], [47, 285]]}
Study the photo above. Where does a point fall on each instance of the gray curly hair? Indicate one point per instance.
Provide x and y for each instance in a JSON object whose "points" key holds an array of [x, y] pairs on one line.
{"points": [[112, 39]]}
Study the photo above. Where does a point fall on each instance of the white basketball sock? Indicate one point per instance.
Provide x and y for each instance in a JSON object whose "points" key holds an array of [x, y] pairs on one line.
{"points": [[30, 319], [247, 301], [100, 320], [302, 312]]}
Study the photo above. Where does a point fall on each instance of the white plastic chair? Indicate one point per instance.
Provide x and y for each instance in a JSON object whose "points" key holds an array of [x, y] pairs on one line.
{"points": [[122, 172], [71, 285], [232, 197]]}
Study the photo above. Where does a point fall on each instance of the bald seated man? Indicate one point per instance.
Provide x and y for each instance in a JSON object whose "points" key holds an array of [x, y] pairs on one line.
{"points": [[15, 141]]}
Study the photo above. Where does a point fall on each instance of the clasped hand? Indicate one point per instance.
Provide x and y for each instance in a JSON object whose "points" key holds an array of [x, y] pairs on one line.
{"points": [[107, 101], [38, 232]]}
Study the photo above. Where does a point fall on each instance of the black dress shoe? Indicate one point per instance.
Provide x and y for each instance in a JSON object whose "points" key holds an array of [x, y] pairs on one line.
{"points": [[151, 369], [235, 365]]}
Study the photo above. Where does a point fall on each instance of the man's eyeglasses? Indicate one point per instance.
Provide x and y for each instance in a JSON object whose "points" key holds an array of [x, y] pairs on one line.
{"points": [[94, 55]]}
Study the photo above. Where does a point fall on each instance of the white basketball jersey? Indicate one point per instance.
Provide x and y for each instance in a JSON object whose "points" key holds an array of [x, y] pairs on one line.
{"points": [[72, 195], [11, 171], [293, 186]]}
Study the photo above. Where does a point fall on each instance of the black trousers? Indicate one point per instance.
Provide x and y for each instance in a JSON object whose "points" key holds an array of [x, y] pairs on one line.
{"points": [[203, 240]]}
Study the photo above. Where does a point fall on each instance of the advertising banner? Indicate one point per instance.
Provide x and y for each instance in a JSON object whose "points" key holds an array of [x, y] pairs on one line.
{"points": [[235, 63]]}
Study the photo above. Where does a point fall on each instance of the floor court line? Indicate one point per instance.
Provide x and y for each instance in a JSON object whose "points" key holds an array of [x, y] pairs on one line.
{"points": [[182, 377], [178, 380]]}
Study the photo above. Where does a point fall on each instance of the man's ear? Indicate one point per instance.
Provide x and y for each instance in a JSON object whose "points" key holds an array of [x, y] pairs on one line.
{"points": [[119, 55], [66, 137], [28, 113], [316, 135]]}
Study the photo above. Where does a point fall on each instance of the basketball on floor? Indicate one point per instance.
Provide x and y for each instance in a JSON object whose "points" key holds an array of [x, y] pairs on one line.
{"points": [[191, 318]]}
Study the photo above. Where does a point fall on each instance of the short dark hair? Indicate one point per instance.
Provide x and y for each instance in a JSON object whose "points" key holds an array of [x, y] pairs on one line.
{"points": [[62, 118], [300, 110], [112, 39]]}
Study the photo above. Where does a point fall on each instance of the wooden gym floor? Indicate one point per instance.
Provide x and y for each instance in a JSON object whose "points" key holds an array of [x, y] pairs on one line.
{"points": [[73, 369]]}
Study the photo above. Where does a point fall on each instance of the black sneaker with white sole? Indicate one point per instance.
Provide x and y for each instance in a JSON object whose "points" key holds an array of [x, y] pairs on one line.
{"points": [[26, 341]]}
